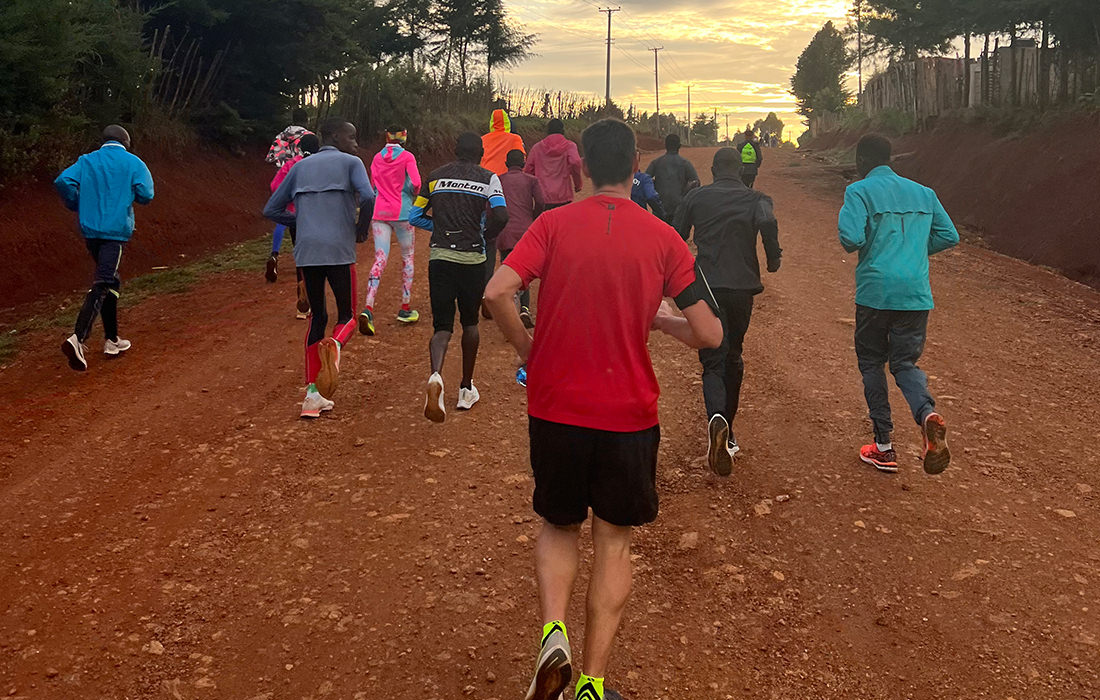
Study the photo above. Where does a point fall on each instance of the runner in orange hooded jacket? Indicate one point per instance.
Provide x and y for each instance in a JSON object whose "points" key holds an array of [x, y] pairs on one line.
{"points": [[498, 142]]}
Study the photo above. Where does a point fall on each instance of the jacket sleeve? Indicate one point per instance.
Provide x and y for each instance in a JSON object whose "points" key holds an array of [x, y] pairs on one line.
{"points": [[693, 177], [852, 222], [414, 174], [575, 168], [652, 198], [532, 158], [684, 220], [68, 185], [275, 209], [418, 215], [944, 234], [539, 197], [281, 175], [498, 209], [361, 183], [143, 183], [769, 229]]}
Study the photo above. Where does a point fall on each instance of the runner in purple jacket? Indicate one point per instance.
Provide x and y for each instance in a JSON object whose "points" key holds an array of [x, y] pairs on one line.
{"points": [[557, 164], [525, 199]]}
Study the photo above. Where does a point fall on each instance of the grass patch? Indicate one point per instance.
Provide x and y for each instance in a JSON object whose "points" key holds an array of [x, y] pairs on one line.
{"points": [[243, 256]]}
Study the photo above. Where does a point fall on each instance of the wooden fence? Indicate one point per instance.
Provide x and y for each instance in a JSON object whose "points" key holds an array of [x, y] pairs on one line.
{"points": [[1014, 76]]}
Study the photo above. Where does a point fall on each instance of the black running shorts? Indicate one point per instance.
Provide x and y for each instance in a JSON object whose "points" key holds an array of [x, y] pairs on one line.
{"points": [[451, 284], [614, 474]]}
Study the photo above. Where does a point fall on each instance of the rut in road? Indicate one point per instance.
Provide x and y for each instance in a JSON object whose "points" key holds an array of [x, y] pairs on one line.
{"points": [[169, 529]]}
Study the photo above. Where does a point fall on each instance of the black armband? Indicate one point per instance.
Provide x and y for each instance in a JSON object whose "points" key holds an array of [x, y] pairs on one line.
{"points": [[695, 292]]}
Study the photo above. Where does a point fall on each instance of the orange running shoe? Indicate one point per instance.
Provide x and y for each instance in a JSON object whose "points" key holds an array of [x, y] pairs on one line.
{"points": [[883, 461]]}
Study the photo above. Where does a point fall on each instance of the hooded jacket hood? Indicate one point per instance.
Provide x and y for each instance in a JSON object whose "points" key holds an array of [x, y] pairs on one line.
{"points": [[391, 151], [499, 122]]}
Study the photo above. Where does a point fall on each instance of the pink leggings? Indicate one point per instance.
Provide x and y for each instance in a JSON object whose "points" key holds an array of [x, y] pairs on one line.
{"points": [[382, 231]]}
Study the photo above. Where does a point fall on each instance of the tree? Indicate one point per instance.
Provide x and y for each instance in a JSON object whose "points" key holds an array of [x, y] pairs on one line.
{"points": [[818, 81], [770, 125], [704, 130]]}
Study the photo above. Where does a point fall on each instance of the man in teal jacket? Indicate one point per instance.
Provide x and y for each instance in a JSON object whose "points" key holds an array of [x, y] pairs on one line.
{"points": [[895, 224], [102, 187]]}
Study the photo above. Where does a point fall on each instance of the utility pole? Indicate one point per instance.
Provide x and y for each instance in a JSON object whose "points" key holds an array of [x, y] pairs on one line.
{"points": [[859, 50], [609, 11], [689, 114], [727, 128], [657, 86]]}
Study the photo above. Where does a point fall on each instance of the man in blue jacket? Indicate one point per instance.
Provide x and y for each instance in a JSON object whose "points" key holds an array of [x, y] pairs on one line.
{"points": [[895, 224], [644, 194], [102, 187]]}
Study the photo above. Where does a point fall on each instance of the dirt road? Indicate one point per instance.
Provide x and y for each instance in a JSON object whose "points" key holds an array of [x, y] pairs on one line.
{"points": [[170, 529]]}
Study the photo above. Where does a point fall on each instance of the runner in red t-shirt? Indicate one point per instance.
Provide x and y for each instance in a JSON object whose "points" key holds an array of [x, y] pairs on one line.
{"points": [[605, 266]]}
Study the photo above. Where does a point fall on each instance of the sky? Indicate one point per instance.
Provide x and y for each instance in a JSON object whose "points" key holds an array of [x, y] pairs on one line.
{"points": [[738, 55]]}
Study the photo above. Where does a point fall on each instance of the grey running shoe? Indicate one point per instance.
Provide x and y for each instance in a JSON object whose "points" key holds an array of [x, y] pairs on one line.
{"points": [[554, 669], [74, 350], [718, 457]]}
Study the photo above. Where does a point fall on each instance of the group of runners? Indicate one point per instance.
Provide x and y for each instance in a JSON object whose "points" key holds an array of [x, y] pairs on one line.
{"points": [[607, 270]]}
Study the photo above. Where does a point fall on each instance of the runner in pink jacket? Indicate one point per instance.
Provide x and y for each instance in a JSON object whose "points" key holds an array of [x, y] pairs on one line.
{"points": [[557, 165], [397, 181], [307, 145]]}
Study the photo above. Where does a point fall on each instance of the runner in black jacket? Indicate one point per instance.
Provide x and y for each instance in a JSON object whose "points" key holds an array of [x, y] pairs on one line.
{"points": [[727, 216], [673, 176]]}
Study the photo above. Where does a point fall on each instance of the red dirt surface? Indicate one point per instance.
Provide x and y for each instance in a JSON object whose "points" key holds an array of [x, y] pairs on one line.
{"points": [[1032, 196], [203, 202], [170, 529]]}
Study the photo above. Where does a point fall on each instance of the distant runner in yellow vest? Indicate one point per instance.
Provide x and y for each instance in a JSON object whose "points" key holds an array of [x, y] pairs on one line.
{"points": [[751, 157]]}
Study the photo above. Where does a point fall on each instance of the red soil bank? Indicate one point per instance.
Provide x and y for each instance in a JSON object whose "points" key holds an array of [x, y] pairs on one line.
{"points": [[203, 201], [1034, 196]]}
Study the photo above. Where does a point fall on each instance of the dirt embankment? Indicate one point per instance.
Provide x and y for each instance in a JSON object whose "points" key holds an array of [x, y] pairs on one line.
{"points": [[203, 201], [1032, 196]]}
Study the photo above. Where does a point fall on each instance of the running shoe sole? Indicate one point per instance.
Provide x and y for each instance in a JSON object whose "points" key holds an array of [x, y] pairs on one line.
{"points": [[271, 273], [330, 371], [552, 677], [718, 457], [366, 324], [317, 413], [937, 456], [888, 467], [409, 319], [432, 409], [74, 359], [303, 299], [525, 316]]}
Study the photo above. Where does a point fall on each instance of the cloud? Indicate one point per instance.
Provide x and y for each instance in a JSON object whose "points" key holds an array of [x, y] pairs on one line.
{"points": [[737, 55]]}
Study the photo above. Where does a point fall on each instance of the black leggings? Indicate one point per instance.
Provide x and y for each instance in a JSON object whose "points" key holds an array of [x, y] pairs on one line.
{"points": [[341, 278]]}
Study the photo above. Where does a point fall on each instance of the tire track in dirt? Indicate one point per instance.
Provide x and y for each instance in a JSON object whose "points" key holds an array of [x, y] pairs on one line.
{"points": [[169, 529]]}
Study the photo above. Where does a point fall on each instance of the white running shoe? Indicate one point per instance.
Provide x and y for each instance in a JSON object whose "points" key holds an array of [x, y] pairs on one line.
{"points": [[314, 404], [433, 402], [467, 397], [74, 350], [116, 347]]}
